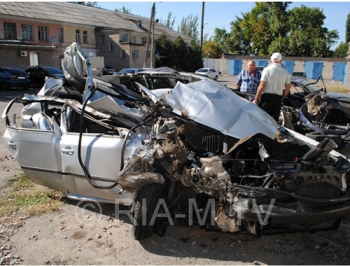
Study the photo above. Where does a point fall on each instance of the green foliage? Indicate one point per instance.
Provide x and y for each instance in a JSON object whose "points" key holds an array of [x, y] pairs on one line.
{"points": [[23, 197], [189, 27], [269, 27], [123, 9], [342, 50], [168, 23], [347, 29], [211, 49], [93, 4], [178, 54]]}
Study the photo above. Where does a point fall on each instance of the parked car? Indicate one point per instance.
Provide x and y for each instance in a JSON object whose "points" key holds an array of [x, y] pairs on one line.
{"points": [[107, 70], [178, 152], [208, 72], [38, 74], [13, 77], [298, 75], [130, 70]]}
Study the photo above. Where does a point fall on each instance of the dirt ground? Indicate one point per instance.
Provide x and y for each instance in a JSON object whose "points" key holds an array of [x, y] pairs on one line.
{"points": [[80, 234]]}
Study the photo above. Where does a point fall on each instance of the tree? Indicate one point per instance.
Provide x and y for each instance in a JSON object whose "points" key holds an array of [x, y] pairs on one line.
{"points": [[189, 27], [342, 50], [168, 23], [165, 52], [93, 4], [347, 29], [269, 27], [220, 37], [123, 9], [211, 49]]}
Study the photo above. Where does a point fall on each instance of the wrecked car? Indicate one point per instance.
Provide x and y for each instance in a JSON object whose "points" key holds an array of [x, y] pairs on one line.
{"points": [[195, 151], [318, 113]]}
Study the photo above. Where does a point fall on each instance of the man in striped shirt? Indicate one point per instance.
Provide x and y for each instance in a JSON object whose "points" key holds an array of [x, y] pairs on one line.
{"points": [[248, 80]]}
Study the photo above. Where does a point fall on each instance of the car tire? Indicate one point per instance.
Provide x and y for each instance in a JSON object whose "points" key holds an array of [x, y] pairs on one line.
{"points": [[145, 204], [216, 78]]}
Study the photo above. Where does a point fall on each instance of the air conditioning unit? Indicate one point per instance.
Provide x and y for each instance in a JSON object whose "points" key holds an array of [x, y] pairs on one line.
{"points": [[24, 53]]}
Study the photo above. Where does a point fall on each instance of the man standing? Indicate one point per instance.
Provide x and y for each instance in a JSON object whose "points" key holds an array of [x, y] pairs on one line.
{"points": [[248, 80], [274, 87]]}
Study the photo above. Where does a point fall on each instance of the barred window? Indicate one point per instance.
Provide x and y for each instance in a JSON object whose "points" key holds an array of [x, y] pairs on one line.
{"points": [[10, 31], [111, 46], [85, 37], [43, 33], [102, 39], [125, 37], [60, 35], [135, 54], [122, 54], [27, 32], [77, 36]]}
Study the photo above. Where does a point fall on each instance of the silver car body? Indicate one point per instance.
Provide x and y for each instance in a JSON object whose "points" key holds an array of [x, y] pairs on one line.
{"points": [[113, 142]]}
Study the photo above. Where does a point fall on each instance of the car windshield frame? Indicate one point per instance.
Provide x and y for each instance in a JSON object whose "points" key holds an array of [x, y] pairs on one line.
{"points": [[307, 86]]}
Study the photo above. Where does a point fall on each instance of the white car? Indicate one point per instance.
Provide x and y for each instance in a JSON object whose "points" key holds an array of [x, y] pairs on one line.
{"points": [[208, 72], [195, 151]]}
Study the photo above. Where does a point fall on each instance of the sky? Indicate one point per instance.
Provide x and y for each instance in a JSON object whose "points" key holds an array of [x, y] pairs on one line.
{"points": [[220, 14]]}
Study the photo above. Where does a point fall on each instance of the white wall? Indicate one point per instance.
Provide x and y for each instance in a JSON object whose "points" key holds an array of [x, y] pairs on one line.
{"points": [[213, 63]]}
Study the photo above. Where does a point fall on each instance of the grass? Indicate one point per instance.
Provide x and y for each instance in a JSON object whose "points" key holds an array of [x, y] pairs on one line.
{"points": [[336, 88], [21, 196]]}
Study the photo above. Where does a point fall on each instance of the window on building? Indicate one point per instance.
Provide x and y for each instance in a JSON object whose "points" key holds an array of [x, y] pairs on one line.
{"points": [[138, 23], [111, 46], [60, 35], [27, 32], [144, 40], [43, 33], [125, 37], [122, 54], [135, 40], [148, 54], [85, 36], [77, 36], [10, 32], [135, 54], [102, 39]]}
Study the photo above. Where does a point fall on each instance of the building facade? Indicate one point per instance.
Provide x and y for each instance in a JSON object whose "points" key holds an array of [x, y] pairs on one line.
{"points": [[38, 33]]}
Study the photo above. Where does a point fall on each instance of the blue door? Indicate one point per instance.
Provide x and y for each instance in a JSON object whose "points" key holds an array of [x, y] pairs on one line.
{"points": [[339, 71], [313, 69], [261, 62], [234, 67], [289, 65]]}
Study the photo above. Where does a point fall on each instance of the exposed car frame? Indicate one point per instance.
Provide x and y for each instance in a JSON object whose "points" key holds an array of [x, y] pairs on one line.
{"points": [[196, 149]]}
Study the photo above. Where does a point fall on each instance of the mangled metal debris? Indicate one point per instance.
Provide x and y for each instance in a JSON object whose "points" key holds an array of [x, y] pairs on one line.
{"points": [[194, 147]]}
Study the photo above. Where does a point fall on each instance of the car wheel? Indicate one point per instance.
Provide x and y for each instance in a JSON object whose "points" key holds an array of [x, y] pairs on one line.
{"points": [[216, 78], [145, 205]]}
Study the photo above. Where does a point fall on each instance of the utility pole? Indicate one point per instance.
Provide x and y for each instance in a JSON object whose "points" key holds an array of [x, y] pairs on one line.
{"points": [[202, 25], [151, 22]]}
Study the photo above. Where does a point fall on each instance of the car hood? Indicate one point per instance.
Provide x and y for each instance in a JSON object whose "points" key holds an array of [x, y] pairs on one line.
{"points": [[214, 105], [344, 97]]}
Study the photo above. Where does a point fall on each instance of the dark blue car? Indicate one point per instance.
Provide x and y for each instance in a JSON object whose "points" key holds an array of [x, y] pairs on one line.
{"points": [[13, 77]]}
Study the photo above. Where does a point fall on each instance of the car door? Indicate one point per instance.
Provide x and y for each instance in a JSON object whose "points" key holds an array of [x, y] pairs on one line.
{"points": [[211, 73], [101, 155], [36, 150]]}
